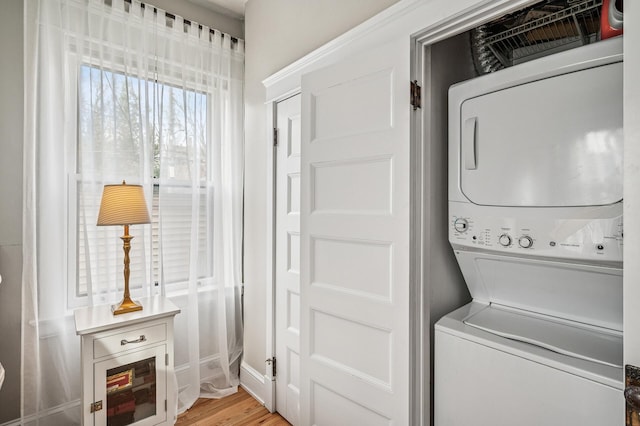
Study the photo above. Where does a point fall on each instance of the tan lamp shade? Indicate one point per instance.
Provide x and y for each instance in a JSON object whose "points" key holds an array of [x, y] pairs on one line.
{"points": [[123, 205]]}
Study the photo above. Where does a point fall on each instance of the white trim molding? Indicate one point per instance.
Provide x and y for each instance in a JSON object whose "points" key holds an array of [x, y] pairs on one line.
{"points": [[206, 370], [407, 18], [44, 415], [255, 384], [268, 392], [287, 80]]}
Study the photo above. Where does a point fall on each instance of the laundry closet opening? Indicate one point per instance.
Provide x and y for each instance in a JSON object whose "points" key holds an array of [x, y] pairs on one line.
{"points": [[516, 234]]}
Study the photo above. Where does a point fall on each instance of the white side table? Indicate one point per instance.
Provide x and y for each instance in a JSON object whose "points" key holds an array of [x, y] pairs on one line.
{"points": [[127, 364]]}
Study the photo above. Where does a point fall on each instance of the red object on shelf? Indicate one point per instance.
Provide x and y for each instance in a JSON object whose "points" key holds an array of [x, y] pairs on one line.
{"points": [[119, 381], [611, 19]]}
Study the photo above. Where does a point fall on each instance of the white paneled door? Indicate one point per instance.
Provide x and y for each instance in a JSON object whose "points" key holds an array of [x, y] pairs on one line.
{"points": [[355, 202], [287, 265]]}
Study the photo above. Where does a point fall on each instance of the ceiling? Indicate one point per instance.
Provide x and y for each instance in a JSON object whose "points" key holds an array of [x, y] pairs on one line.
{"points": [[232, 8]]}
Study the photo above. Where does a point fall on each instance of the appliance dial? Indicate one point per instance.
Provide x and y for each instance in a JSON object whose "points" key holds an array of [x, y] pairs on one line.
{"points": [[461, 225], [525, 241], [504, 240]]}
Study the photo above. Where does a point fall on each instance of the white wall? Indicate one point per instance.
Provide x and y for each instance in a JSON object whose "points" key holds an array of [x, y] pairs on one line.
{"points": [[277, 32]]}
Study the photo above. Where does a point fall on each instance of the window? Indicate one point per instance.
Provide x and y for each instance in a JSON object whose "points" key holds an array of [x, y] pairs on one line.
{"points": [[150, 133]]}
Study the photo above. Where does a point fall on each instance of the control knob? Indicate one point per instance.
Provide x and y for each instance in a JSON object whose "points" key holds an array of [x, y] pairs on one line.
{"points": [[504, 240], [461, 225], [525, 241]]}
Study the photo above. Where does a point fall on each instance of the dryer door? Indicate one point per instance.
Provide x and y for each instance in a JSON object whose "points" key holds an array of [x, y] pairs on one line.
{"points": [[552, 142]]}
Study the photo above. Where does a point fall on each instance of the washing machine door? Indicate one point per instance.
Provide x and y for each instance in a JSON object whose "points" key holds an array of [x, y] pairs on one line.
{"points": [[554, 142], [569, 338], [587, 294]]}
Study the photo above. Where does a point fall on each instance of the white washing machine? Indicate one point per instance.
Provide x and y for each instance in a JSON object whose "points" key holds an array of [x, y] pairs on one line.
{"points": [[535, 208]]}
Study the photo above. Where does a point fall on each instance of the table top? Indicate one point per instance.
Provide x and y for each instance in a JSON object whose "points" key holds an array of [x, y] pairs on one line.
{"points": [[94, 319]]}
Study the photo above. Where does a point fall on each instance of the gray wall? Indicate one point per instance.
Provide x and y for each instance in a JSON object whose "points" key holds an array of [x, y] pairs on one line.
{"points": [[11, 142], [445, 289], [277, 32], [11, 110], [202, 15]]}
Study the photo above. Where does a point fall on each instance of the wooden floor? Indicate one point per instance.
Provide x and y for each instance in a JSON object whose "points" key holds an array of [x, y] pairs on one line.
{"points": [[237, 409]]}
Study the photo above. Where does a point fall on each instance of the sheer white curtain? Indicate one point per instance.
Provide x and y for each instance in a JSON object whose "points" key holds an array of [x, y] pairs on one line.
{"points": [[119, 91]]}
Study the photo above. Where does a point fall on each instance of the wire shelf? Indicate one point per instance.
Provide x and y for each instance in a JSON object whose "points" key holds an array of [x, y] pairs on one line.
{"points": [[543, 32]]}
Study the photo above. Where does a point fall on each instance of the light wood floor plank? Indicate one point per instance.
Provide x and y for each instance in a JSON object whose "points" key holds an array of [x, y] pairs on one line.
{"points": [[239, 409]]}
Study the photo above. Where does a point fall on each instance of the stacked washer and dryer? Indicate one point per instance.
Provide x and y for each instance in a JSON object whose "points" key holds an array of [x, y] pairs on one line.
{"points": [[535, 209]]}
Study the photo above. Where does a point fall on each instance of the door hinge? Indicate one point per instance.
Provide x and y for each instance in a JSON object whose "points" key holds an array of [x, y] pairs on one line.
{"points": [[166, 359], [165, 405], [272, 363], [95, 406], [275, 136], [416, 95]]}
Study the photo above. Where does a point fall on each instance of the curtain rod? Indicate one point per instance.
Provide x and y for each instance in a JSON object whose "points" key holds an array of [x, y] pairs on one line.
{"points": [[186, 21]]}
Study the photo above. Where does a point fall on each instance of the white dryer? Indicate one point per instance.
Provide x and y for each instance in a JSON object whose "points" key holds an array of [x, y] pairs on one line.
{"points": [[535, 208]]}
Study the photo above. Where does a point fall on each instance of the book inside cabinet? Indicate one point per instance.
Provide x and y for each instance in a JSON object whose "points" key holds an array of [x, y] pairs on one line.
{"points": [[133, 388]]}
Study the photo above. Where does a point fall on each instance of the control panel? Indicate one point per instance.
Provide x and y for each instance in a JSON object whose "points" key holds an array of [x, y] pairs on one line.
{"points": [[562, 233]]}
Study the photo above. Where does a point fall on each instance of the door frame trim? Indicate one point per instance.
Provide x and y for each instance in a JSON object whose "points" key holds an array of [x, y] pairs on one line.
{"points": [[269, 396], [270, 382]]}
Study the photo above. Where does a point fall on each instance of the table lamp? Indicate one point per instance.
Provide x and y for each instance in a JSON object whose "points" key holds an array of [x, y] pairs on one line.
{"points": [[124, 205]]}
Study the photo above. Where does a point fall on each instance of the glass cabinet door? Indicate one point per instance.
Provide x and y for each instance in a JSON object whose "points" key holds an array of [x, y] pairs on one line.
{"points": [[132, 388]]}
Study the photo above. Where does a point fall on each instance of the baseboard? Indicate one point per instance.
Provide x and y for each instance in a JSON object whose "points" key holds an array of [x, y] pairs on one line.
{"points": [[182, 371], [48, 416], [254, 383]]}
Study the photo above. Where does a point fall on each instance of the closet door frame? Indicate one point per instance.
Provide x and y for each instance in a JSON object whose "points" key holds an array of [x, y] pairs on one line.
{"points": [[420, 144], [269, 379]]}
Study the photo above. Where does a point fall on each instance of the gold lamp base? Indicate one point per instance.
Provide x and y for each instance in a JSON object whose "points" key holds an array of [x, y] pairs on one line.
{"points": [[127, 305]]}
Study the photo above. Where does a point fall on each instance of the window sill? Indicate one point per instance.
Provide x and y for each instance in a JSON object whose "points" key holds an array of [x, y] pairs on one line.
{"points": [[65, 324]]}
